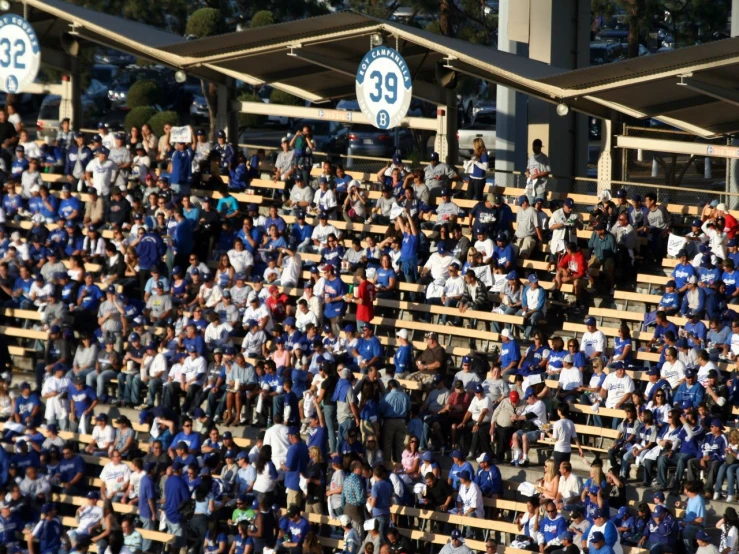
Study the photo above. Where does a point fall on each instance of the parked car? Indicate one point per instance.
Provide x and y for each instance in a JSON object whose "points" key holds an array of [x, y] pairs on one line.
{"points": [[114, 57], [47, 123], [118, 91], [198, 107], [606, 52], [482, 126], [98, 92], [367, 140], [483, 105], [105, 73]]}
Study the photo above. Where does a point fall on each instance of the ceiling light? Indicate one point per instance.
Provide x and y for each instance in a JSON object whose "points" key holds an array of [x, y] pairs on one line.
{"points": [[4, 5], [562, 109], [180, 76], [376, 39]]}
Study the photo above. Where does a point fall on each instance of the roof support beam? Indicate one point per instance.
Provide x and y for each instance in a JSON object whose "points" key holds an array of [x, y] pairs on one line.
{"points": [[421, 89], [56, 58], [722, 94], [677, 105]]}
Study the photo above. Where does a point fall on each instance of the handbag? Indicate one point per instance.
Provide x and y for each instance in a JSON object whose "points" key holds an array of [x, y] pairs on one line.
{"points": [[187, 508]]}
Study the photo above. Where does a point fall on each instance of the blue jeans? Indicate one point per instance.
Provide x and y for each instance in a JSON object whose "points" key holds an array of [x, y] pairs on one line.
{"points": [[507, 310], [344, 428], [329, 416], [677, 460], [729, 471], [409, 268]]}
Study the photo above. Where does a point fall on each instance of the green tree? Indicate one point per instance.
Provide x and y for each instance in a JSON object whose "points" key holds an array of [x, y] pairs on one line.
{"points": [[138, 116], [262, 19], [157, 121], [143, 93], [249, 120], [207, 22], [284, 98]]}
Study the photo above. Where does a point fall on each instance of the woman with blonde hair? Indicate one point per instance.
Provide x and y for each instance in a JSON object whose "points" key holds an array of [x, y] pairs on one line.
{"points": [[597, 479], [547, 486], [477, 168]]}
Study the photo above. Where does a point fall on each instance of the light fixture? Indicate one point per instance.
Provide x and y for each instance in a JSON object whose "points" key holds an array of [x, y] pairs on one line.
{"points": [[562, 109], [180, 76], [4, 5], [376, 39]]}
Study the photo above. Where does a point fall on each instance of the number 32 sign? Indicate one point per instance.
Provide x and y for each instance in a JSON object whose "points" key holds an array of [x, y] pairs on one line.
{"points": [[20, 55], [384, 87]]}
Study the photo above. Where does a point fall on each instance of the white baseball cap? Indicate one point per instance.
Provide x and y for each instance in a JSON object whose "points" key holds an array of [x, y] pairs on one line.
{"points": [[345, 520], [506, 333], [403, 334]]}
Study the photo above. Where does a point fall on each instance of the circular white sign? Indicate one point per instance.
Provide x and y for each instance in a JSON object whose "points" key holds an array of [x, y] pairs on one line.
{"points": [[20, 55], [384, 87]]}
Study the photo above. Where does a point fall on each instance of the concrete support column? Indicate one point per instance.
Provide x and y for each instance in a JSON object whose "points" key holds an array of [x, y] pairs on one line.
{"points": [[605, 159], [560, 36], [732, 180], [446, 143], [227, 118], [70, 105], [511, 117]]}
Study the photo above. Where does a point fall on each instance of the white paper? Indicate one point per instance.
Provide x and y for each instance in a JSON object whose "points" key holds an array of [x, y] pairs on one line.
{"points": [[675, 244], [180, 134], [395, 211], [484, 274], [527, 489]]}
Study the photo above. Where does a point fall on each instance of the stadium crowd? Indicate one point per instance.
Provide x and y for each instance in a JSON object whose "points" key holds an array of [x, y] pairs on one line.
{"points": [[203, 314]]}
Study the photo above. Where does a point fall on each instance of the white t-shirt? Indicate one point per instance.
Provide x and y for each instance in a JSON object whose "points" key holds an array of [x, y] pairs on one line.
{"points": [[439, 265], [593, 342], [102, 175], [89, 517], [570, 379], [103, 436], [703, 373], [116, 477], [570, 487], [617, 388], [673, 373], [477, 406], [276, 436], [563, 430], [540, 410]]}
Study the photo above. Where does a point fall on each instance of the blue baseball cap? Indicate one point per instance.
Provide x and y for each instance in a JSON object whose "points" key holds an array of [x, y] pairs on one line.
{"points": [[701, 535], [569, 202], [434, 156], [659, 495], [466, 359], [597, 536], [523, 198], [590, 320], [596, 513], [659, 509], [566, 536], [220, 133]]}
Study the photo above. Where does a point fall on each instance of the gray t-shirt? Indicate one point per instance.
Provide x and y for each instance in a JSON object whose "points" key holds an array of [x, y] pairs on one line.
{"points": [[343, 409], [527, 222], [159, 304], [113, 323], [438, 175]]}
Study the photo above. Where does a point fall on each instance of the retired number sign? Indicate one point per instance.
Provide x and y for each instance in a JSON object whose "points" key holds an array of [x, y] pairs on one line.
{"points": [[20, 55], [384, 87]]}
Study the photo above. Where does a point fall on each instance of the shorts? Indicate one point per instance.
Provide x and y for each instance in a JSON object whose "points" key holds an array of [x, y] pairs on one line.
{"points": [[606, 265], [533, 436]]}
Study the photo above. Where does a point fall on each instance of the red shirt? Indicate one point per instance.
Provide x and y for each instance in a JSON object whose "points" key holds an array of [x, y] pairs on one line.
{"points": [[575, 263], [366, 310], [278, 306], [730, 225]]}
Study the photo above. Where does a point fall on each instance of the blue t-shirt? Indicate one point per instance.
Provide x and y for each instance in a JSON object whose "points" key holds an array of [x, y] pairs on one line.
{"points": [[696, 508], [403, 358], [334, 288], [477, 172], [69, 468], [296, 462], [382, 492], [192, 440], [297, 531], [175, 493], [146, 492], [409, 247]]}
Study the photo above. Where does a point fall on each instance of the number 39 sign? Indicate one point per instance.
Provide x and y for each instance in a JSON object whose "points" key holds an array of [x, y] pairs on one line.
{"points": [[20, 55], [384, 87]]}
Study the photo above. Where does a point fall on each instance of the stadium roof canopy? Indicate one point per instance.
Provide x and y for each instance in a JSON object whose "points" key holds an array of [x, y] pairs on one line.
{"points": [[692, 88]]}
